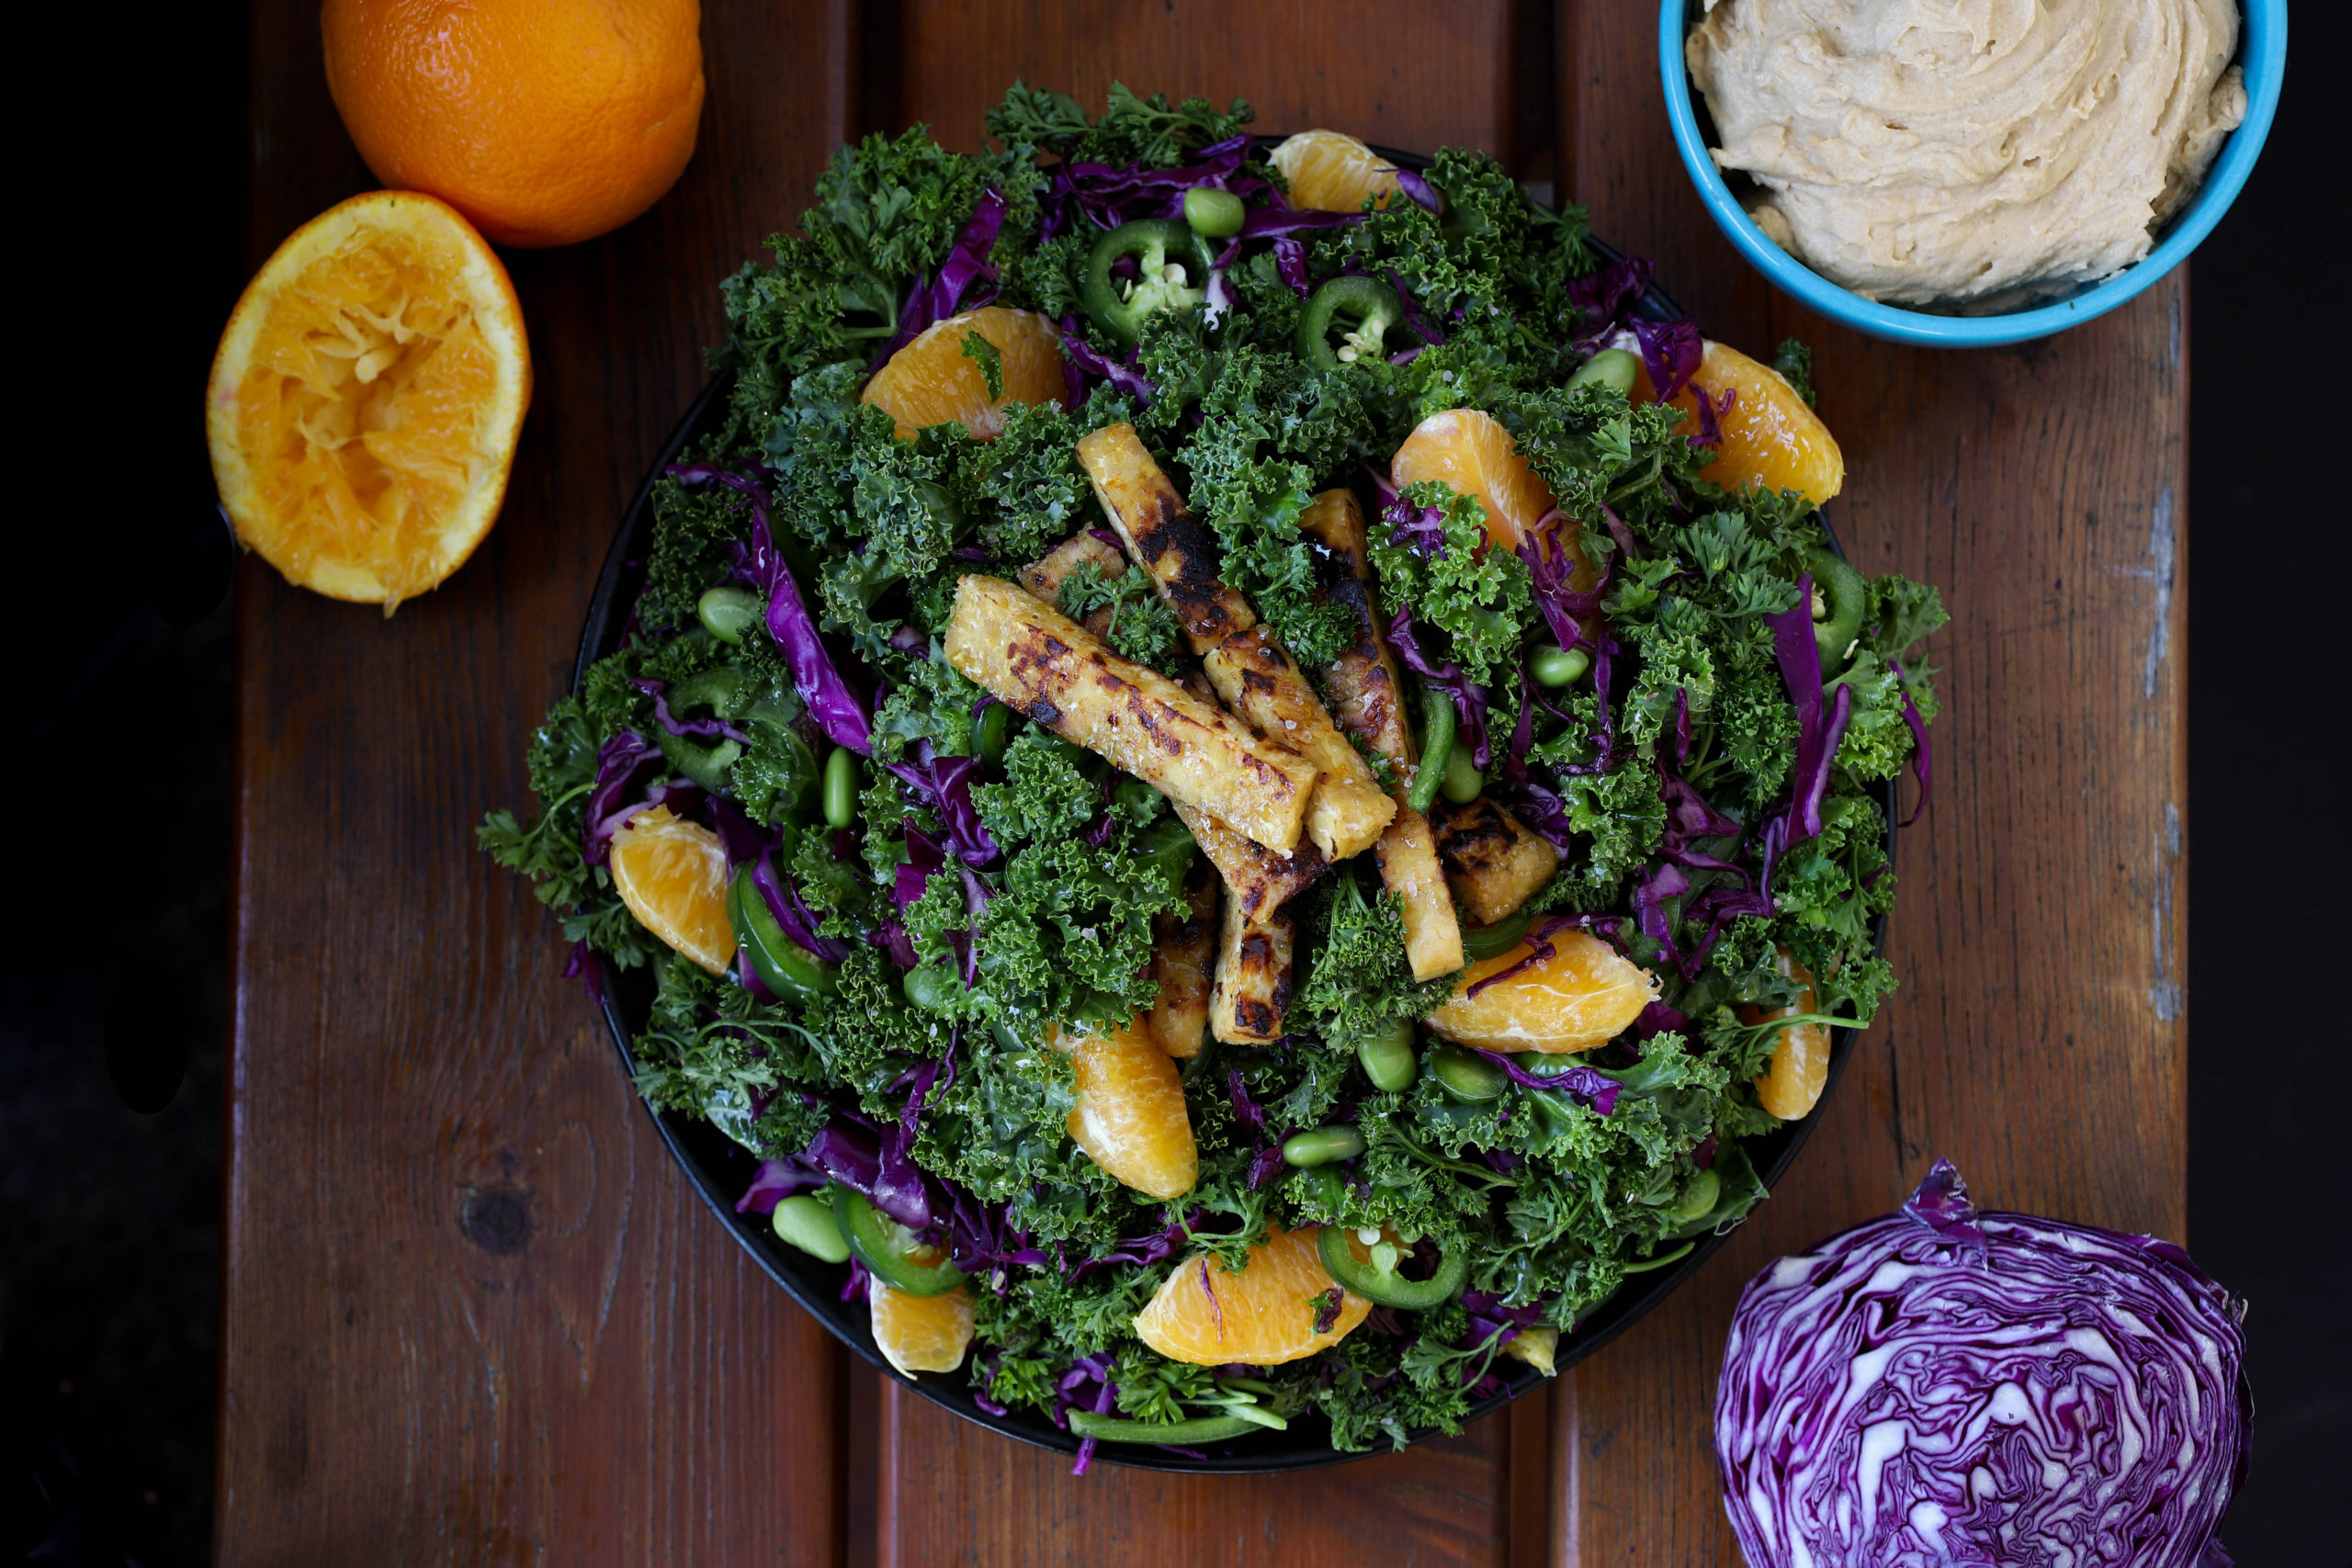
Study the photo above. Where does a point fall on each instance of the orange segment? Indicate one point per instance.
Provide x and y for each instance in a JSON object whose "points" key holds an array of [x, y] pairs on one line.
{"points": [[1330, 172], [366, 397], [1473, 453], [1130, 1116], [1770, 436], [1264, 1316], [921, 1334], [1791, 1085], [672, 875], [1583, 996], [932, 381]]}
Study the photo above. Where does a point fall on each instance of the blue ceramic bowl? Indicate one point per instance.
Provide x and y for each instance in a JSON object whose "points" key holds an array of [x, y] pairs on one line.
{"points": [[2262, 52]]}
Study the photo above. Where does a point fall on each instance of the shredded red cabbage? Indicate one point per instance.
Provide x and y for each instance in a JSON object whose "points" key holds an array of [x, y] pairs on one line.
{"points": [[1413, 316], [932, 300], [835, 705], [1470, 699], [702, 729], [1579, 1082], [1290, 265], [1417, 186], [1947, 1386], [1671, 350], [1084, 358], [945, 783], [1603, 297], [585, 966], [611, 803], [1922, 757]]}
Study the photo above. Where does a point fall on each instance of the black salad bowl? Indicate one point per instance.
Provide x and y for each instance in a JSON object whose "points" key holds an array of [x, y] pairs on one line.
{"points": [[720, 1170]]}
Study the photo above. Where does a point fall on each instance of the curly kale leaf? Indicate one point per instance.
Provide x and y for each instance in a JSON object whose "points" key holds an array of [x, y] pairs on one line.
{"points": [[1482, 598], [1133, 129], [1142, 625], [1793, 363], [1358, 979]]}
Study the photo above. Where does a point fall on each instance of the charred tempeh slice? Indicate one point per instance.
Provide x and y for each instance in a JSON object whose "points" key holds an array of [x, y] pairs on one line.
{"points": [[1183, 962], [1493, 863], [1260, 683], [1163, 535], [1045, 575], [1367, 701], [1053, 670], [1255, 877], [1254, 977]]}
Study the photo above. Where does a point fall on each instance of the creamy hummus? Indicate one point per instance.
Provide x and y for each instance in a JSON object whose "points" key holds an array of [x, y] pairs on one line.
{"points": [[1943, 151]]}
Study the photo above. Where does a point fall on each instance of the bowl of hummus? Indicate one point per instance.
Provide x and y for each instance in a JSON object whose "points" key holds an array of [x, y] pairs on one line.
{"points": [[1969, 173]]}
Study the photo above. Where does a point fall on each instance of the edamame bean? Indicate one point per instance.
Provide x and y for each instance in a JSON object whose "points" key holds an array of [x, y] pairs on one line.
{"points": [[807, 1224], [1213, 214], [728, 613], [931, 987], [1322, 1145], [1697, 1199], [1609, 367], [989, 734], [1388, 1057], [1461, 782], [1555, 666], [1465, 1073], [841, 787]]}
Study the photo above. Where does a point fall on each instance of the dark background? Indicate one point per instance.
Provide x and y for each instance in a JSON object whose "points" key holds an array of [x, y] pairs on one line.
{"points": [[112, 995]]}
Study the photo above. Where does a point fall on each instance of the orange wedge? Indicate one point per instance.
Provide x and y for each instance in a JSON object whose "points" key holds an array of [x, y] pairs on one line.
{"points": [[1470, 451], [1330, 172], [1264, 1316], [932, 381], [1584, 995], [1770, 436], [366, 398], [1791, 1086], [920, 1334], [1130, 1116], [672, 875]]}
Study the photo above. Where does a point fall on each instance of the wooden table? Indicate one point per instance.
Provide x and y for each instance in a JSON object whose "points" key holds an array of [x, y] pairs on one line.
{"points": [[475, 1316]]}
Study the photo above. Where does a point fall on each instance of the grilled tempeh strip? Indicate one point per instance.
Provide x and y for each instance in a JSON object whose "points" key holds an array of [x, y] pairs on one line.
{"points": [[1044, 576], [1046, 665], [1493, 863], [1183, 962], [1254, 977], [1163, 535], [1260, 682], [1367, 701]]}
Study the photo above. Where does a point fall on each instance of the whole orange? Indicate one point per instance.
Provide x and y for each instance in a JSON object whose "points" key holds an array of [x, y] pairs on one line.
{"points": [[544, 122]]}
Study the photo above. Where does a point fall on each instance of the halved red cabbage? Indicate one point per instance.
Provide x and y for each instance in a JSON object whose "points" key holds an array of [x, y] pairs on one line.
{"points": [[1943, 1386]]}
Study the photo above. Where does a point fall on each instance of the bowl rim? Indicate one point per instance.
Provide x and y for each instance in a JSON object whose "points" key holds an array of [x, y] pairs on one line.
{"points": [[2262, 54], [718, 1169]]}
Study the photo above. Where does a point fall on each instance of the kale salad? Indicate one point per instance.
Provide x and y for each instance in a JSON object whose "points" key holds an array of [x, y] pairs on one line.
{"points": [[1244, 803]]}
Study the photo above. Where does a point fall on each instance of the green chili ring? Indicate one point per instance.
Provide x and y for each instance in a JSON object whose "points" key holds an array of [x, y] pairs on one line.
{"points": [[1842, 599], [1155, 243], [1386, 1287], [1480, 943], [783, 966], [1198, 1429], [1371, 304], [1437, 748], [891, 1250]]}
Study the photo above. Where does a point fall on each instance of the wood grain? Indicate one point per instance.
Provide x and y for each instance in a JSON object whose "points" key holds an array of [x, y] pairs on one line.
{"points": [[473, 1314], [2038, 1036]]}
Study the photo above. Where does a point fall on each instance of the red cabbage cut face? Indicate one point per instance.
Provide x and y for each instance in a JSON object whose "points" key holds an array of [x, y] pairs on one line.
{"points": [[1946, 1387]]}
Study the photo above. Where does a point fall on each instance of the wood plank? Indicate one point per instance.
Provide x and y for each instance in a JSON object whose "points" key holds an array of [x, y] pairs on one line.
{"points": [[474, 1313], [1441, 76], [2038, 1037]]}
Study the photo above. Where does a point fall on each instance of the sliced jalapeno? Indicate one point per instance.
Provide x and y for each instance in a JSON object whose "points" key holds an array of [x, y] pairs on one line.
{"points": [[716, 692], [989, 734], [1188, 1433], [891, 1250], [1840, 598], [1173, 273], [783, 966], [1375, 1276], [1359, 309], [1437, 748], [1493, 941], [1466, 1075]]}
